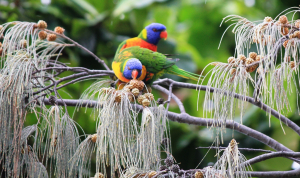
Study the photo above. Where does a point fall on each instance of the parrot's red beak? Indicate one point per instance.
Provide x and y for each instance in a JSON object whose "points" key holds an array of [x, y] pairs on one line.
{"points": [[164, 35], [134, 74]]}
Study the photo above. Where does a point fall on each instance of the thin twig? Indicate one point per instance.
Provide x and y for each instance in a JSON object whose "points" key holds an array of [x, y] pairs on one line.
{"points": [[176, 99], [81, 47], [244, 149]]}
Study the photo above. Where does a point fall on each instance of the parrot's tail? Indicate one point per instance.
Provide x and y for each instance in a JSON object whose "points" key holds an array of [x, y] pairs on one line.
{"points": [[182, 73]]}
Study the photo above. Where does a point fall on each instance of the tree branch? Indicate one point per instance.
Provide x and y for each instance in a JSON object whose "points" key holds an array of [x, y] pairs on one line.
{"points": [[186, 118], [248, 99], [272, 155]]}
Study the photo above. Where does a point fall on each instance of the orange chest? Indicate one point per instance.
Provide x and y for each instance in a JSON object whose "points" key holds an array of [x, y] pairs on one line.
{"points": [[139, 42]]}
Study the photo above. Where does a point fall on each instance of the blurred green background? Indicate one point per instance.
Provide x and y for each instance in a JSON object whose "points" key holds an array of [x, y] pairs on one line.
{"points": [[194, 33]]}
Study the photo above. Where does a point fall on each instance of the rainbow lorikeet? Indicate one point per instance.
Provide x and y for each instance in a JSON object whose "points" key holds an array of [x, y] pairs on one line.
{"points": [[144, 64], [148, 38]]}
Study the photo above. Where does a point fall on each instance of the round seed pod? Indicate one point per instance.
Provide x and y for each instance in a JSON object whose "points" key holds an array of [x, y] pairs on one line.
{"points": [[175, 168], [232, 71], [268, 19], [137, 84], [135, 91], [146, 102], [59, 30], [292, 64], [41, 24], [152, 174], [242, 57], [130, 97], [99, 175], [51, 37], [169, 161], [284, 31], [296, 34], [141, 98], [249, 61], [231, 60], [149, 96], [253, 55], [118, 97], [199, 174], [258, 58], [94, 138], [23, 43], [42, 35], [283, 19]]}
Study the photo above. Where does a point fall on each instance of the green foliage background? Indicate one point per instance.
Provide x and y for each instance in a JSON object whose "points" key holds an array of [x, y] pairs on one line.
{"points": [[194, 33]]}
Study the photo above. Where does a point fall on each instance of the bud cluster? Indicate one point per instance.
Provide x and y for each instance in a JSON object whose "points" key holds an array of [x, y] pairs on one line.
{"points": [[42, 25], [199, 174], [242, 59], [133, 91], [292, 64], [94, 138]]}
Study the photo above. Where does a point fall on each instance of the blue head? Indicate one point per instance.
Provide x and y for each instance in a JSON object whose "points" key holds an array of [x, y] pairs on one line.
{"points": [[155, 32], [132, 69]]}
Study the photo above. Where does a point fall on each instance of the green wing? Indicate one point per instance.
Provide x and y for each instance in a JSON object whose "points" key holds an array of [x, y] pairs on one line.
{"points": [[153, 61]]}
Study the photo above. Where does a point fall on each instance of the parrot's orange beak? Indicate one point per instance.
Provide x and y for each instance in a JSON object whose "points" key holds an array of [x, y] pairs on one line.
{"points": [[164, 35], [134, 74]]}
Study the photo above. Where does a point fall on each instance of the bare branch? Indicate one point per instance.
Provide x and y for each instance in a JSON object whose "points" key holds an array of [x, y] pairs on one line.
{"points": [[244, 149], [186, 118], [272, 155], [251, 100], [292, 173], [103, 72]]}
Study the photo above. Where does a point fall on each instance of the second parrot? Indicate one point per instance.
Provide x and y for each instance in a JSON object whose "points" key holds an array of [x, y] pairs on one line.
{"points": [[146, 65]]}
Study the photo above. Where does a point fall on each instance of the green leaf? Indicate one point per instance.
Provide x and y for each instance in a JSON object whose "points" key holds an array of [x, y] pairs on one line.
{"points": [[127, 5]]}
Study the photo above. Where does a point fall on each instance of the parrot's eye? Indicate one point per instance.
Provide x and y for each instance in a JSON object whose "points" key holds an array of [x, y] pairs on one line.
{"points": [[128, 68], [154, 29]]}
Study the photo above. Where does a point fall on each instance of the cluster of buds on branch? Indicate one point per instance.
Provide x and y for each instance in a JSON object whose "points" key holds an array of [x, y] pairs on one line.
{"points": [[135, 90]]}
